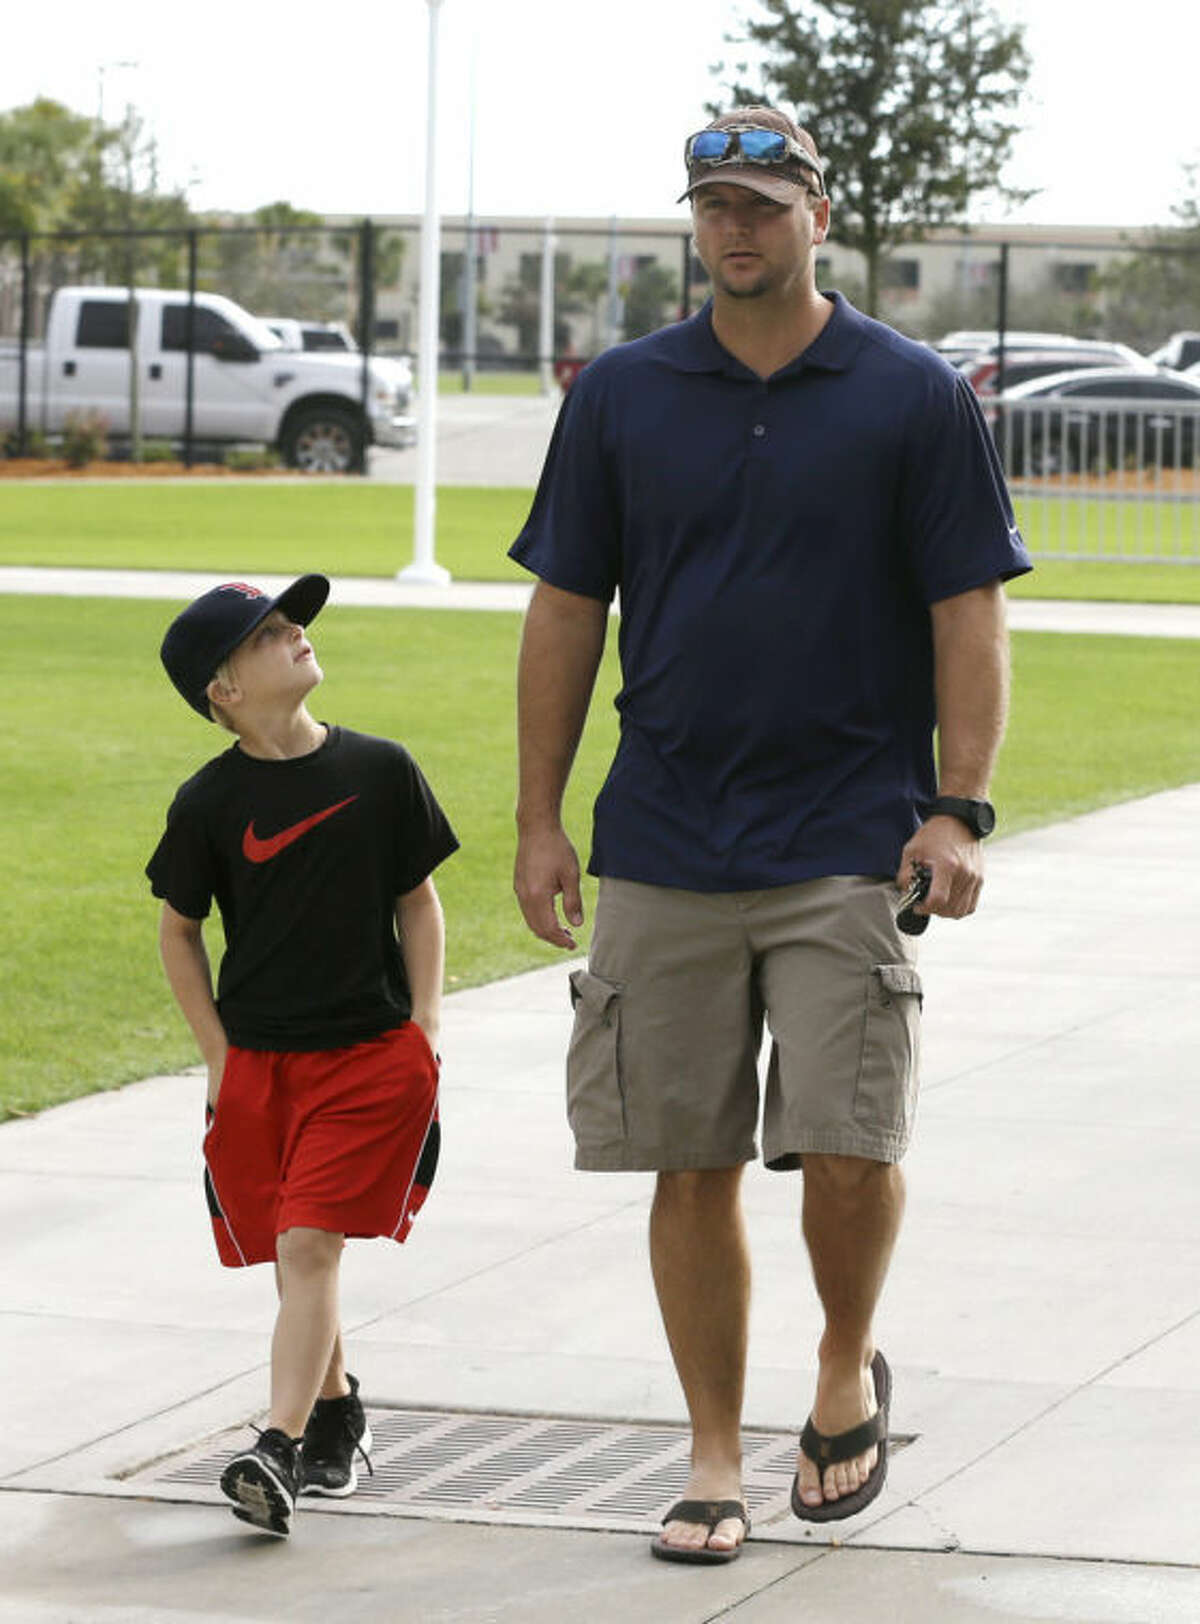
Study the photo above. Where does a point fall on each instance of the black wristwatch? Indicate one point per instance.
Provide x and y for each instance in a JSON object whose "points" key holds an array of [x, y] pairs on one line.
{"points": [[979, 816]]}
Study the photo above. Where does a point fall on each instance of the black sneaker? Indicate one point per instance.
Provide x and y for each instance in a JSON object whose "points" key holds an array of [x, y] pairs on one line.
{"points": [[336, 1431], [263, 1481]]}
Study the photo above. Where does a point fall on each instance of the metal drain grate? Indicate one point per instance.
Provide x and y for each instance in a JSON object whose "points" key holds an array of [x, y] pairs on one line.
{"points": [[513, 1468]]}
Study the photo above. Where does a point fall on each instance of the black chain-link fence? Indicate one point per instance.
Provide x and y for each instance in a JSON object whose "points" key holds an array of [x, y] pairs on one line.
{"points": [[162, 343]]}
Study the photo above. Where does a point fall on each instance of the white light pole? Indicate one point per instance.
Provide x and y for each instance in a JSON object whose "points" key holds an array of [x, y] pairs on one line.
{"points": [[101, 69], [546, 309], [424, 570], [470, 291]]}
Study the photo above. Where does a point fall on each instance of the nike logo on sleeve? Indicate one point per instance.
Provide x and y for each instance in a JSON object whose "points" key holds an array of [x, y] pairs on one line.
{"points": [[256, 850]]}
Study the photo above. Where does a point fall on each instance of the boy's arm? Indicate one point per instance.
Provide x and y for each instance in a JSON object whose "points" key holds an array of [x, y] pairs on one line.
{"points": [[422, 933], [185, 959]]}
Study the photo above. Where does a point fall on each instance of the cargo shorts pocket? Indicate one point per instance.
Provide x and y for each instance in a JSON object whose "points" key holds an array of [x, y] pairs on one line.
{"points": [[595, 1105], [885, 1096]]}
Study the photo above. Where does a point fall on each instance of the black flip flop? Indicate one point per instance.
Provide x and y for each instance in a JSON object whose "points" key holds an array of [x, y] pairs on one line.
{"points": [[709, 1513], [824, 1451]]}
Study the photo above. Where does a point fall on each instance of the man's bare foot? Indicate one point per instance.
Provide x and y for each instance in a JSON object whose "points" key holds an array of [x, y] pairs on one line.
{"points": [[728, 1533], [845, 1399]]}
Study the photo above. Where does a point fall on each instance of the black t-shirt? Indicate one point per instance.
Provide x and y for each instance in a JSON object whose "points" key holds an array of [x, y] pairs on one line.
{"points": [[305, 858]]}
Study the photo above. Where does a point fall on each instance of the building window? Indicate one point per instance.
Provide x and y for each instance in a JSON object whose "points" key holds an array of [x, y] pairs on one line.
{"points": [[1078, 277], [900, 273], [979, 273]]}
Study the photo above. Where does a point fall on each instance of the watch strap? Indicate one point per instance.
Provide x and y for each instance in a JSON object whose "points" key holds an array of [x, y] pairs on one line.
{"points": [[979, 816]]}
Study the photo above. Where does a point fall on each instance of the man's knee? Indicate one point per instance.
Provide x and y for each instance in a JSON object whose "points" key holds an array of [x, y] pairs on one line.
{"points": [[851, 1179], [699, 1189]]}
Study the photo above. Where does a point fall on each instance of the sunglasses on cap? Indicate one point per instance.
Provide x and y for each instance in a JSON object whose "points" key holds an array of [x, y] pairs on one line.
{"points": [[748, 144]]}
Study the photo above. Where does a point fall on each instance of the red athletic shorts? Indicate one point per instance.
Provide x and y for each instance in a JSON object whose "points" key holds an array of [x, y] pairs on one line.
{"points": [[344, 1140]]}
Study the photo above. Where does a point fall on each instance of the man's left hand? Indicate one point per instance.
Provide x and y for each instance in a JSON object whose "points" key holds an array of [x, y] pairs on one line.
{"points": [[955, 859]]}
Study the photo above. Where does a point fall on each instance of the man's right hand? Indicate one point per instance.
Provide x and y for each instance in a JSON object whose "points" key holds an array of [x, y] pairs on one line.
{"points": [[546, 868]]}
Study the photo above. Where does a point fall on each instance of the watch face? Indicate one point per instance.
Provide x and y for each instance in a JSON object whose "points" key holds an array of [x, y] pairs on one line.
{"points": [[985, 817]]}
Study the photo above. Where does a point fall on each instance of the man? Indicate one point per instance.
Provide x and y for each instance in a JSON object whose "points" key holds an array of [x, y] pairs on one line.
{"points": [[808, 527]]}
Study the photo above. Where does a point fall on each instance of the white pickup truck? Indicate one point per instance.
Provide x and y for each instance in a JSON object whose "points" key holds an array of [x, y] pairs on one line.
{"points": [[246, 387]]}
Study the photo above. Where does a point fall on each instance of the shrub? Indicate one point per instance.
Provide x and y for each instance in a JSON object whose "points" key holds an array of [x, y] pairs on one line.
{"points": [[251, 461], [158, 451], [85, 438], [35, 444]]}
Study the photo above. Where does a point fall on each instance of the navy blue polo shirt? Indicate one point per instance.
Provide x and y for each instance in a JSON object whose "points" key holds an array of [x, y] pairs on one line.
{"points": [[776, 544]]}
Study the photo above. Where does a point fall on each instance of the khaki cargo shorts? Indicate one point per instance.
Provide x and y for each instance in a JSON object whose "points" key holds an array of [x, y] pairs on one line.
{"points": [[662, 1072]]}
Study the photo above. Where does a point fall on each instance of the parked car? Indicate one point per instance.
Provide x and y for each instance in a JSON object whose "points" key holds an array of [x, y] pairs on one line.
{"points": [[1180, 353], [311, 335], [334, 337], [966, 341], [245, 387], [1097, 419], [1025, 361]]}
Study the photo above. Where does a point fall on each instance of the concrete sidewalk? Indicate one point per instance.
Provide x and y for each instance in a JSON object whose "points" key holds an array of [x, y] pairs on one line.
{"points": [[1024, 614], [1042, 1318]]}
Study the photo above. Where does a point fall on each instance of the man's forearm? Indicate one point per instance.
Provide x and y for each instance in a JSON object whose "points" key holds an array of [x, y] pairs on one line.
{"points": [[971, 667], [560, 654]]}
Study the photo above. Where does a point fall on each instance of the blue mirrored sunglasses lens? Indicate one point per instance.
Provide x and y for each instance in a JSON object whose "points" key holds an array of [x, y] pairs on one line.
{"points": [[762, 143], [710, 144]]}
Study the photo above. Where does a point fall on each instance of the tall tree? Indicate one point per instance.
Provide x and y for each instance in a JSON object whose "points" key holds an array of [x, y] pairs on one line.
{"points": [[63, 172], [289, 265], [912, 102], [521, 303], [50, 157], [124, 194], [1156, 291], [651, 298]]}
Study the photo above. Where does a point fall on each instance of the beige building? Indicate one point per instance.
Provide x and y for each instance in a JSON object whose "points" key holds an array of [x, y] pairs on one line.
{"points": [[614, 279]]}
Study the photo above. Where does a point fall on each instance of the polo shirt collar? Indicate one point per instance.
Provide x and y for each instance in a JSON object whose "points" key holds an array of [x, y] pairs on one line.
{"points": [[692, 346]]}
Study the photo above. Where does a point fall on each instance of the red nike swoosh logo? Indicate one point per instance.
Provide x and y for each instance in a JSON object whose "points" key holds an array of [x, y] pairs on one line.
{"points": [[261, 851]]}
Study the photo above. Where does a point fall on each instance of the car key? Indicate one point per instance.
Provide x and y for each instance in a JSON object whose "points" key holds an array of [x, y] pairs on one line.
{"points": [[912, 924]]}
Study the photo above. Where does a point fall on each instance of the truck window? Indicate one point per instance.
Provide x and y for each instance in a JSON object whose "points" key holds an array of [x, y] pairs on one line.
{"points": [[103, 325], [209, 327], [318, 338]]}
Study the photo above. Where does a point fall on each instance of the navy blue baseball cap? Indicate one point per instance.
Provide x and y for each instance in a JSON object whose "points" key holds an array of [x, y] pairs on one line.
{"points": [[209, 630]]}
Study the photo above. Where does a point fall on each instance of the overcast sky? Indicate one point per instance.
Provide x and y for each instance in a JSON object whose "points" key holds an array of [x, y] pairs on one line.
{"points": [[579, 109]]}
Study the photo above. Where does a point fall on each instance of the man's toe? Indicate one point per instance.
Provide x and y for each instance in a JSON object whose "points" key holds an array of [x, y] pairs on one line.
{"points": [[727, 1535], [687, 1536]]}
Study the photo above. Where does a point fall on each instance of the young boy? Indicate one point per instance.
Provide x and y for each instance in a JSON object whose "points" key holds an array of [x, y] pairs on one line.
{"points": [[318, 845]]}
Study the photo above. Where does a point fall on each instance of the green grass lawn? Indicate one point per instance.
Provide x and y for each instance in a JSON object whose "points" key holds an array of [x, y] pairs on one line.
{"points": [[339, 528], [1122, 570], [94, 746], [96, 741], [356, 528], [487, 382]]}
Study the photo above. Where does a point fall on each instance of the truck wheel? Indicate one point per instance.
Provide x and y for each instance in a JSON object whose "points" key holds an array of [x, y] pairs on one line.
{"points": [[324, 441]]}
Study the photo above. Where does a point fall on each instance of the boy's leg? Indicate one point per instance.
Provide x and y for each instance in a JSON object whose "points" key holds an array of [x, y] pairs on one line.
{"points": [[335, 1384], [306, 1328], [263, 1481], [308, 1370]]}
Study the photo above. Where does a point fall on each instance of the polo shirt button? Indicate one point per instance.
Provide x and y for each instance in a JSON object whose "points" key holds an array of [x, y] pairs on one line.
{"points": [[759, 430]]}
